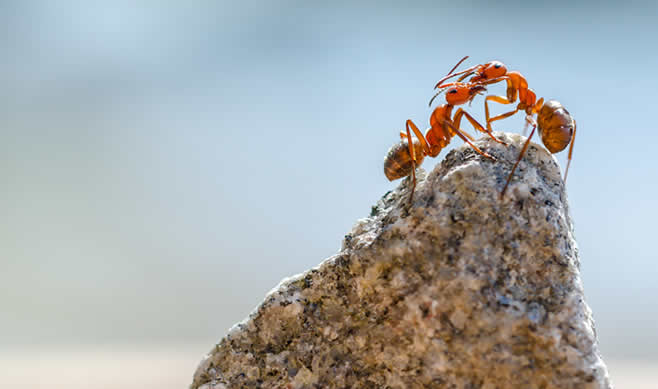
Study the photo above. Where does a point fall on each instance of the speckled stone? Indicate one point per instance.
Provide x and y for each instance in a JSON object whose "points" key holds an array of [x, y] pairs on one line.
{"points": [[461, 290]]}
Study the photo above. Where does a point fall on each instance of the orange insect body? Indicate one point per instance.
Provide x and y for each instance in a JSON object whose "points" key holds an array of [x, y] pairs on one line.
{"points": [[443, 127], [437, 136], [488, 71], [517, 88], [398, 162], [557, 128]]}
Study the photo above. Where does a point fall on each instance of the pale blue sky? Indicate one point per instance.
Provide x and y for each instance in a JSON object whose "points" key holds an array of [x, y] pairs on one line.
{"points": [[165, 165]]}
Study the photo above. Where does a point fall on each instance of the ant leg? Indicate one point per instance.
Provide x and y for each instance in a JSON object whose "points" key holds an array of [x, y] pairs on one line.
{"points": [[458, 83], [419, 135], [573, 139], [503, 116], [410, 144], [472, 70], [462, 135], [466, 134], [523, 150], [538, 105], [456, 123], [460, 79], [533, 111], [525, 127], [493, 80], [468, 72], [457, 120], [485, 82], [412, 152], [497, 99], [464, 73], [442, 86]]}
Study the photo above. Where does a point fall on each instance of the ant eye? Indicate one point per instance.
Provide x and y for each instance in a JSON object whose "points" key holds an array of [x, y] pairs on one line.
{"points": [[452, 91]]}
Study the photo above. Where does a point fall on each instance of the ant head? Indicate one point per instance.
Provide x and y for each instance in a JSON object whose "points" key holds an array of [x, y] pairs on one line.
{"points": [[493, 69], [463, 93]]}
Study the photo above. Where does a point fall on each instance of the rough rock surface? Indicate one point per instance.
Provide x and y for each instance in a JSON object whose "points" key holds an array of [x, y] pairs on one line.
{"points": [[461, 290]]}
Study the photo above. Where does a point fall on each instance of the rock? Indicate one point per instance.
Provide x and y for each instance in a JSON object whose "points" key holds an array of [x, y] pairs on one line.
{"points": [[461, 290]]}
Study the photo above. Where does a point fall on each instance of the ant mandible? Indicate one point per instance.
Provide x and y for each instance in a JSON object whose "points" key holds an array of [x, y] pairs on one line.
{"points": [[400, 163], [557, 128]]}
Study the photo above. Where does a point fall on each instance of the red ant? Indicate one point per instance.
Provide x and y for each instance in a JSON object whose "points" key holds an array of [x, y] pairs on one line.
{"points": [[557, 129], [517, 87], [443, 127], [556, 126]]}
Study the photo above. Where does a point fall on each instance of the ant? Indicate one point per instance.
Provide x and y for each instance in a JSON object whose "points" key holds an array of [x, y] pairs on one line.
{"points": [[557, 128], [443, 127], [517, 87]]}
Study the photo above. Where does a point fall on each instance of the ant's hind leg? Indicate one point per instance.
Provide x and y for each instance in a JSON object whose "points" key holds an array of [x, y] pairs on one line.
{"points": [[412, 152], [534, 110], [573, 140], [525, 127], [523, 150], [419, 135], [412, 155]]}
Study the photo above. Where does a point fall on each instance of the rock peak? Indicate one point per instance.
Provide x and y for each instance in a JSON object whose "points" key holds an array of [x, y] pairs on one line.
{"points": [[458, 290]]}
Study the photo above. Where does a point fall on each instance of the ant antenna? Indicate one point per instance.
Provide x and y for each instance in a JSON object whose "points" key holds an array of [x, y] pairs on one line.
{"points": [[435, 96], [445, 78], [450, 73], [458, 63]]}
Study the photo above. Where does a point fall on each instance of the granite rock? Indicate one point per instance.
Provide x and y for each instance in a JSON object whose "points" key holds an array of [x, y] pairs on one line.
{"points": [[458, 290]]}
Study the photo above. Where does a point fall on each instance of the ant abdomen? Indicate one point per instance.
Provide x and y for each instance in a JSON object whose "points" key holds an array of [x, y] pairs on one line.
{"points": [[398, 162], [555, 126]]}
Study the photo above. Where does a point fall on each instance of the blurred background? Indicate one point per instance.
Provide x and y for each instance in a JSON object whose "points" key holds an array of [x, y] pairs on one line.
{"points": [[165, 164]]}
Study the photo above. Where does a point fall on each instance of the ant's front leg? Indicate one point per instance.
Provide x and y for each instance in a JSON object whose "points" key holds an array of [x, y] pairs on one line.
{"points": [[462, 135], [457, 121], [500, 100], [523, 150], [573, 139]]}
